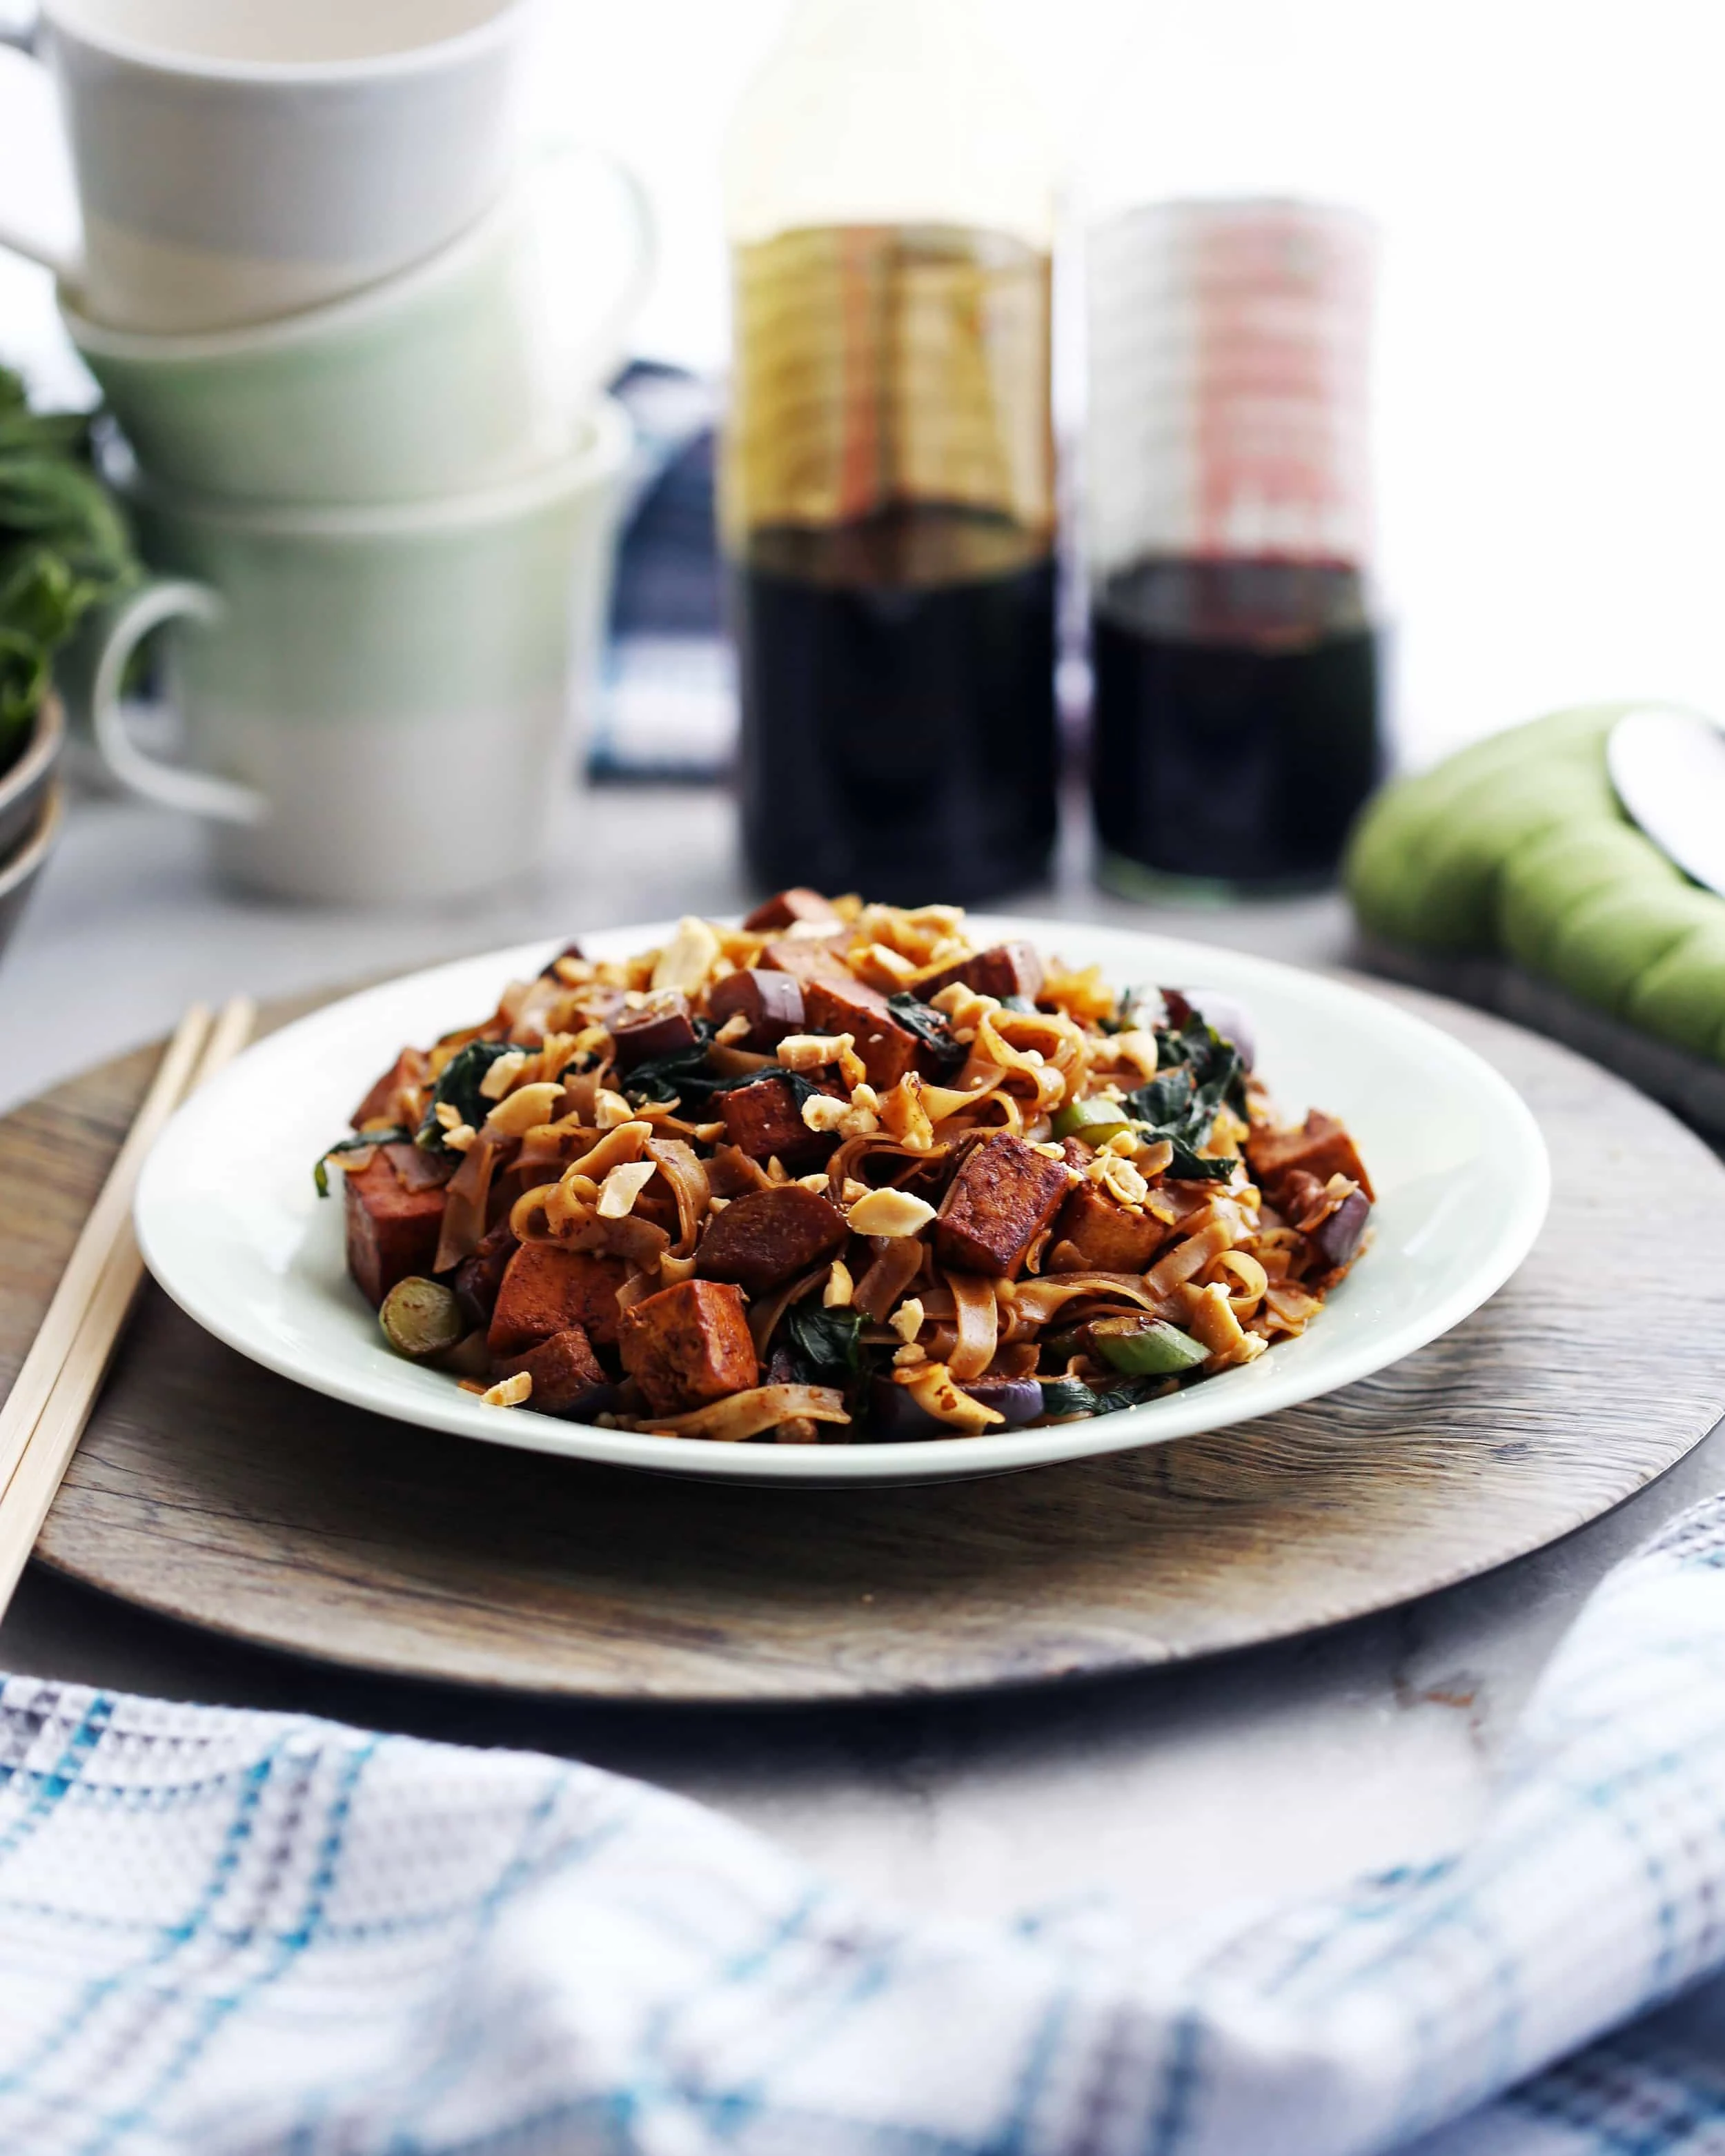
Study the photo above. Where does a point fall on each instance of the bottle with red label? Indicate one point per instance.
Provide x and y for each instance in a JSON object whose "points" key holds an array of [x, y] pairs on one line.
{"points": [[1237, 715]]}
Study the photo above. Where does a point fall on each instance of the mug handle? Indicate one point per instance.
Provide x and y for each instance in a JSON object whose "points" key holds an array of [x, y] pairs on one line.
{"points": [[197, 793], [39, 212]]}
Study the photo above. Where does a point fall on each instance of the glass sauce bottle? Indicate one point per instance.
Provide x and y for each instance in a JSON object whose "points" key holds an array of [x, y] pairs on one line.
{"points": [[887, 479]]}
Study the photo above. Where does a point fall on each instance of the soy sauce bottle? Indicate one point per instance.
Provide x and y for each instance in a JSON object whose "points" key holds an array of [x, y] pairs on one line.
{"points": [[887, 473], [1237, 721]]}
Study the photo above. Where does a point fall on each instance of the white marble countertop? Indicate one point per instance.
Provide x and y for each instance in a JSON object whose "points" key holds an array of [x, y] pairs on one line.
{"points": [[1281, 1769]]}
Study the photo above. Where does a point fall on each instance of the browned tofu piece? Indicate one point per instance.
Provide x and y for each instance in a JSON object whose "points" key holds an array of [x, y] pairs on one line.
{"points": [[769, 1237], [771, 1002], [888, 1050], [808, 958], [1003, 1196], [663, 1024], [411, 1067], [1004, 970], [392, 1231], [1109, 1237], [763, 1119], [1321, 1147], [565, 1371], [546, 1290], [689, 1344], [787, 907]]}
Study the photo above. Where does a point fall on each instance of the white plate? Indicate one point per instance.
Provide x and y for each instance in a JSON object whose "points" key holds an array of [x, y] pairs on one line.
{"points": [[232, 1228]]}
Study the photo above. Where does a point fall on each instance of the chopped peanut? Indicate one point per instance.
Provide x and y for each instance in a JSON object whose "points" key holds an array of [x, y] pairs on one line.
{"points": [[621, 1186], [906, 1321], [509, 1392], [837, 1293], [889, 1213], [503, 1073]]}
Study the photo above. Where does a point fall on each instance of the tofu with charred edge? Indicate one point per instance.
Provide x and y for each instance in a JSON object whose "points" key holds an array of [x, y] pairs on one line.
{"points": [[1002, 1196], [689, 1345]]}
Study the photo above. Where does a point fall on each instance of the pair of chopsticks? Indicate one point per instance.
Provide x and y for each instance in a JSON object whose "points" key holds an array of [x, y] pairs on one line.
{"points": [[43, 1415]]}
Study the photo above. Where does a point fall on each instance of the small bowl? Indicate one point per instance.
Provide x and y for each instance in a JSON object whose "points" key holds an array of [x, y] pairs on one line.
{"points": [[24, 787], [20, 870]]}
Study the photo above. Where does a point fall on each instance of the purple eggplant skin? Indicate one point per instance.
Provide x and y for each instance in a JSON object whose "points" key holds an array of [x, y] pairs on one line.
{"points": [[1217, 1008], [895, 1418], [657, 1030], [1338, 1237]]}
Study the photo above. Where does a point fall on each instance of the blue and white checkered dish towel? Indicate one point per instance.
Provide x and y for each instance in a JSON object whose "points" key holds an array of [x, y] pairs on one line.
{"points": [[234, 1932]]}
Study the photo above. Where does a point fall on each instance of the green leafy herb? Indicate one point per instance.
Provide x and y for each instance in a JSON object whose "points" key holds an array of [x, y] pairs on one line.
{"points": [[930, 1027], [670, 1076], [458, 1088], [64, 549], [1062, 1396], [824, 1344], [395, 1135], [1200, 1074], [1019, 1003]]}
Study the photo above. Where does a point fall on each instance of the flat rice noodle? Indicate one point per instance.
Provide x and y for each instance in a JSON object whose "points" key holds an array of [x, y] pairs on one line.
{"points": [[887, 1277], [464, 1222], [943, 1100], [978, 1316], [582, 1092], [746, 1415], [687, 1174], [737, 1062], [844, 1162], [1187, 1259], [417, 1169], [1036, 1301], [638, 1242], [731, 1174], [764, 1315]]}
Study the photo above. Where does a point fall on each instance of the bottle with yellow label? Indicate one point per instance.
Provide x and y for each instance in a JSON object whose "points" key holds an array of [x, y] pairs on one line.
{"points": [[887, 475]]}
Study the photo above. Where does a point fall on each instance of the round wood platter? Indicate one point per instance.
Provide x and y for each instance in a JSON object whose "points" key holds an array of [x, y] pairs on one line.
{"points": [[218, 1493]]}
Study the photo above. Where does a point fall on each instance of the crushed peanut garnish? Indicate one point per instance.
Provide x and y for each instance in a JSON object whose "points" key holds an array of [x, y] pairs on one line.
{"points": [[837, 1293], [889, 1213], [906, 1321], [509, 1392], [503, 1072]]}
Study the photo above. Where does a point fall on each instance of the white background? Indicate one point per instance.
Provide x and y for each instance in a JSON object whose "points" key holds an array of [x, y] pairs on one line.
{"points": [[1552, 355]]}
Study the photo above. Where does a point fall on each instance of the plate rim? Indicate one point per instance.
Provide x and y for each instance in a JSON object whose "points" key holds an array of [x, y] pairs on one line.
{"points": [[901, 1461]]}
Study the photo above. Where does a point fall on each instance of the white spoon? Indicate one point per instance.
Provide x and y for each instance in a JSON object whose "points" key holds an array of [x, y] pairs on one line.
{"points": [[1668, 766]]}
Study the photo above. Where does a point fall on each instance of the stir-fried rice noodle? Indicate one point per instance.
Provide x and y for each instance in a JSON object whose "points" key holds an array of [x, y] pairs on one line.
{"points": [[1047, 1171]]}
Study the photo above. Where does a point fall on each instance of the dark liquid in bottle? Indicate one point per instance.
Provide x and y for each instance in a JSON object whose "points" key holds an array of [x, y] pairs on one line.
{"points": [[898, 717], [1237, 724]]}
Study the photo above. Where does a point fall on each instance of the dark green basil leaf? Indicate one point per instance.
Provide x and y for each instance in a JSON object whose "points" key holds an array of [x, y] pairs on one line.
{"points": [[681, 1073], [458, 1087], [395, 1135], [825, 1344], [932, 1028]]}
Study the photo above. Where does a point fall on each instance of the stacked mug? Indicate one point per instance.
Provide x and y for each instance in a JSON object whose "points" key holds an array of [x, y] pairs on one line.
{"points": [[355, 341]]}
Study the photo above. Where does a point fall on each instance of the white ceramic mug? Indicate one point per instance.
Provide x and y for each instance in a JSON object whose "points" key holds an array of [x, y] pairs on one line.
{"points": [[237, 159], [468, 371], [379, 706]]}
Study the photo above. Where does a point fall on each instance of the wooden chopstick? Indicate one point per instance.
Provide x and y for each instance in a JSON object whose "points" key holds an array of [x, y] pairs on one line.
{"points": [[44, 1414]]}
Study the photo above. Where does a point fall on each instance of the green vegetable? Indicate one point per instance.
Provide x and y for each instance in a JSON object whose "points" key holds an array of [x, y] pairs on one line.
{"points": [[64, 549], [395, 1135], [1095, 1121], [678, 1072], [458, 1088], [1064, 1398], [1147, 1348], [1202, 1074], [825, 1344], [421, 1318], [932, 1028]]}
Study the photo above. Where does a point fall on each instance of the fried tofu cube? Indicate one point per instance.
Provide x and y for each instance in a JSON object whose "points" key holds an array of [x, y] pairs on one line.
{"points": [[411, 1067], [764, 1118], [1003, 970], [547, 1289], [567, 1374], [663, 1025], [1321, 1147], [689, 1345], [888, 1050], [769, 1237], [1107, 1236], [392, 1231], [1003, 1196], [785, 908]]}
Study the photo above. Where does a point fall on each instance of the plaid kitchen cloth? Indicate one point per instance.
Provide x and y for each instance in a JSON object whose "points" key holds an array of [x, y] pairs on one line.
{"points": [[230, 1932]]}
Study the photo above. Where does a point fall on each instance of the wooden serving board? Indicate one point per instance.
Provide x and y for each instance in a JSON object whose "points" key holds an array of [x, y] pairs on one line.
{"points": [[211, 1489]]}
